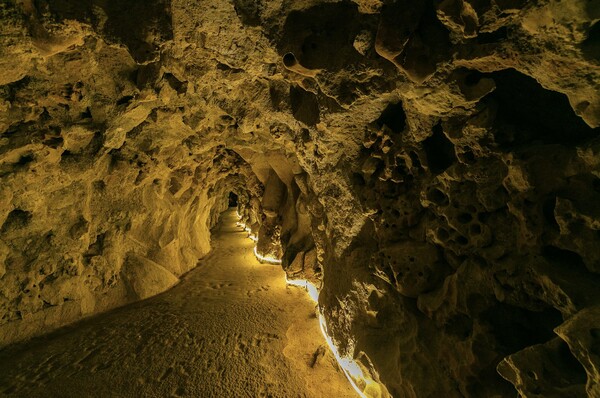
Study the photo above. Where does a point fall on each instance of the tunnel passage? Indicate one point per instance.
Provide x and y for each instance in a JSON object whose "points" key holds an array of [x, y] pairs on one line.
{"points": [[223, 330], [431, 166], [232, 199]]}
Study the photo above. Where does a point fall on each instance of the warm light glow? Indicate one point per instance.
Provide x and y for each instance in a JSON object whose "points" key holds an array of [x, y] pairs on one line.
{"points": [[262, 259], [247, 229], [312, 290], [266, 259], [351, 368]]}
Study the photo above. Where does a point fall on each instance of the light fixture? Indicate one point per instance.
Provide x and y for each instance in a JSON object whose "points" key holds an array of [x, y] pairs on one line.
{"points": [[362, 384], [311, 289], [266, 259]]}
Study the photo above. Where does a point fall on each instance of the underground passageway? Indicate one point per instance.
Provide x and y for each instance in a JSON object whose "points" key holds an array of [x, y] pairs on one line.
{"points": [[230, 328], [428, 171]]}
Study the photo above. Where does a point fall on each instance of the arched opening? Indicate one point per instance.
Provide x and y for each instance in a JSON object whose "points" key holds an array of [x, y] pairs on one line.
{"points": [[233, 199]]}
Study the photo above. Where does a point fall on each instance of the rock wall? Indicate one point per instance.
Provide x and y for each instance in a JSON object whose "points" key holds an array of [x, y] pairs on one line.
{"points": [[433, 166]]}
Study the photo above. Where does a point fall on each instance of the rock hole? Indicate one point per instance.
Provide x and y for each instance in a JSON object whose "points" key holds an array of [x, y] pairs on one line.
{"points": [[528, 113], [79, 228], [125, 100], [461, 240], [532, 375], [16, 219], [289, 60], [393, 116], [67, 158], [468, 157], [177, 85], [563, 257], [439, 150], [548, 211], [473, 78], [54, 142], [87, 114], [515, 328], [442, 234], [496, 36], [317, 38], [591, 45], [464, 218], [358, 180], [248, 11], [96, 248], [24, 160], [438, 197], [99, 185], [305, 106], [415, 159]]}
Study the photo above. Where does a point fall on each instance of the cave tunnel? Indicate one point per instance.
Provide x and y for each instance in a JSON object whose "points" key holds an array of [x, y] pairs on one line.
{"points": [[232, 199], [331, 199]]}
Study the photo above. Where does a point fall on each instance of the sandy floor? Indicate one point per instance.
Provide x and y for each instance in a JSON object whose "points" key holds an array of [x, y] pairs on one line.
{"points": [[231, 328]]}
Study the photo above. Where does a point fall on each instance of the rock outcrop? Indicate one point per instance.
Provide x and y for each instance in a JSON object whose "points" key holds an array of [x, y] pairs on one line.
{"points": [[433, 166]]}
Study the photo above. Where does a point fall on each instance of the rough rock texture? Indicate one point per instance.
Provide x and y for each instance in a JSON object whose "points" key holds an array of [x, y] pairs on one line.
{"points": [[434, 166], [231, 328]]}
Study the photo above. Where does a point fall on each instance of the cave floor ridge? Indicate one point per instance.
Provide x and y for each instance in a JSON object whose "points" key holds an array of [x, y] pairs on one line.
{"points": [[230, 328]]}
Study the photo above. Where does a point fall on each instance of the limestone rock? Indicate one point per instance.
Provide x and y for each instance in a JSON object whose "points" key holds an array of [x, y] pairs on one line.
{"points": [[145, 277], [432, 166]]}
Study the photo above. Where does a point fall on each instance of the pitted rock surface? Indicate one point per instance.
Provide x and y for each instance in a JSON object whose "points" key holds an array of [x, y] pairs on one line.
{"points": [[433, 166]]}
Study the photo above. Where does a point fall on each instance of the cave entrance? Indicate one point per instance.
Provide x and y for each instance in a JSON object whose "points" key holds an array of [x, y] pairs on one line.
{"points": [[233, 199]]}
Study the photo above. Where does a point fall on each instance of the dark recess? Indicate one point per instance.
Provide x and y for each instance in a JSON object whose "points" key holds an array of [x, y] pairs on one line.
{"points": [[233, 199], [16, 219], [248, 11], [493, 37], [528, 113], [319, 39], [516, 328], [128, 22], [439, 150], [394, 117], [305, 106], [591, 45]]}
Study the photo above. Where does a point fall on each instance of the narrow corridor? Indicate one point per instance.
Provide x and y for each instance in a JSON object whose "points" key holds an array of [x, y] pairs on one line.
{"points": [[230, 328]]}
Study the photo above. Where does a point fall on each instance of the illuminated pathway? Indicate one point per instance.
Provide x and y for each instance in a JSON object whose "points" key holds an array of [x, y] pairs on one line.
{"points": [[231, 328]]}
